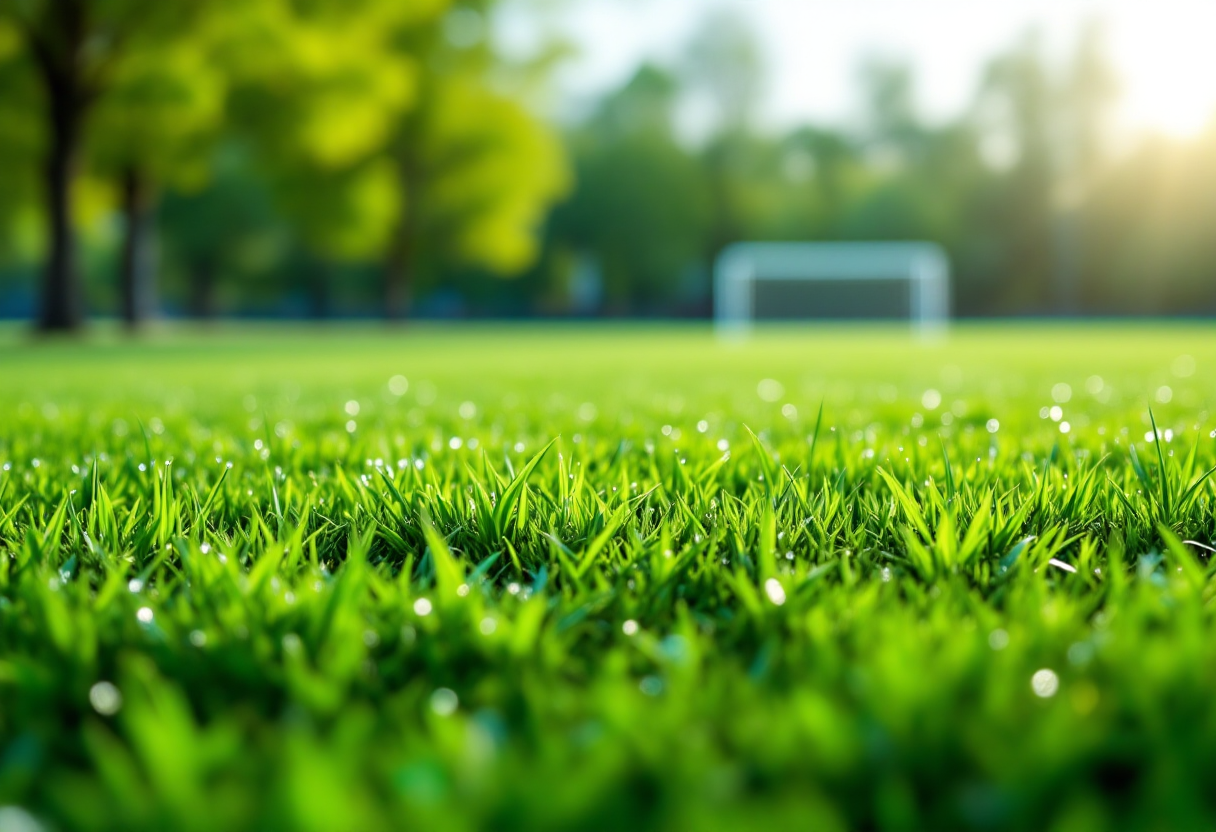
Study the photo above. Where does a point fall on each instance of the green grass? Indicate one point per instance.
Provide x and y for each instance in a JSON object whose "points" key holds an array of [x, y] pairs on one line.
{"points": [[557, 582]]}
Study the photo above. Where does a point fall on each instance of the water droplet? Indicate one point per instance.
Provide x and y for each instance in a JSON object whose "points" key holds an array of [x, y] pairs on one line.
{"points": [[770, 390], [444, 701], [105, 698], [1045, 683], [422, 607]]}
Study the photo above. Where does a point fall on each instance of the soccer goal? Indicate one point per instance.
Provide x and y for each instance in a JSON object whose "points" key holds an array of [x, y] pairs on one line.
{"points": [[859, 281]]}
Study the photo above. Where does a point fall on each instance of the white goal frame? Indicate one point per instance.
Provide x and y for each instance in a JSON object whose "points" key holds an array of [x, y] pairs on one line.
{"points": [[740, 266]]}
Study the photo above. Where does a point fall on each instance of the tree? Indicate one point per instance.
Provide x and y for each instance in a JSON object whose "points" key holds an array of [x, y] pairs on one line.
{"points": [[320, 94], [164, 109], [642, 205], [1053, 123], [475, 170], [75, 48], [723, 61], [227, 228], [20, 138]]}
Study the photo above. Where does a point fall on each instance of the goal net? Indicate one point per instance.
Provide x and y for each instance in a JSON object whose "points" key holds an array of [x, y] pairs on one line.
{"points": [[831, 281]]}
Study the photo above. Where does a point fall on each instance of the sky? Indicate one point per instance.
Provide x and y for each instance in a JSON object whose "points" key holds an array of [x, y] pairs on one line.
{"points": [[1164, 50]]}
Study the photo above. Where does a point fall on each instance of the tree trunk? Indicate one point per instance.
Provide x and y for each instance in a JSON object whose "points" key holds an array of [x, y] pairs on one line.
{"points": [[57, 45], [62, 289], [1067, 256], [202, 290], [399, 274], [138, 254], [319, 295], [399, 265]]}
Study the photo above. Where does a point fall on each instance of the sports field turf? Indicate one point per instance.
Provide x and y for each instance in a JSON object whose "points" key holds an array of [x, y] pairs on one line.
{"points": [[521, 578]]}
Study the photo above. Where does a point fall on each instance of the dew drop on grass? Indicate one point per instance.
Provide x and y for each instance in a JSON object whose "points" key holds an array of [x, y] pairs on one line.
{"points": [[931, 399], [444, 701], [144, 614], [422, 607], [993, 426], [998, 639], [488, 626], [1061, 393], [105, 698], [770, 390], [1045, 683], [774, 591], [398, 385], [630, 628], [135, 585]]}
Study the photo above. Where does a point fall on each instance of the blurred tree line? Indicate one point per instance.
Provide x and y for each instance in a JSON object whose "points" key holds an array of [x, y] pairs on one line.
{"points": [[254, 150], [1040, 212], [317, 157]]}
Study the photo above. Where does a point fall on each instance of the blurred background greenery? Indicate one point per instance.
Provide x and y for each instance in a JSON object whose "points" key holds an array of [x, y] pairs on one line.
{"points": [[315, 158]]}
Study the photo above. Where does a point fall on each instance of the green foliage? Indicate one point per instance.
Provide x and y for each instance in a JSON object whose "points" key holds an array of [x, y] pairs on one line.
{"points": [[20, 136], [486, 169], [610, 579]]}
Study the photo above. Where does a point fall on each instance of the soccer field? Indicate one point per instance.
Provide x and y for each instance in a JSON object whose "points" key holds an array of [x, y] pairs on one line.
{"points": [[609, 578]]}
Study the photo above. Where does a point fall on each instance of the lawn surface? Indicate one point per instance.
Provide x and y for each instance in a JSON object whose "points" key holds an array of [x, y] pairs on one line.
{"points": [[548, 578]]}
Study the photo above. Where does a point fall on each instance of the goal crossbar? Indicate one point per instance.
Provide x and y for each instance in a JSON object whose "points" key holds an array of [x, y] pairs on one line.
{"points": [[741, 266]]}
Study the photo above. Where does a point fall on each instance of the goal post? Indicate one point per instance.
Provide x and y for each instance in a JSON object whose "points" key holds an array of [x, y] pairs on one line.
{"points": [[742, 267]]}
